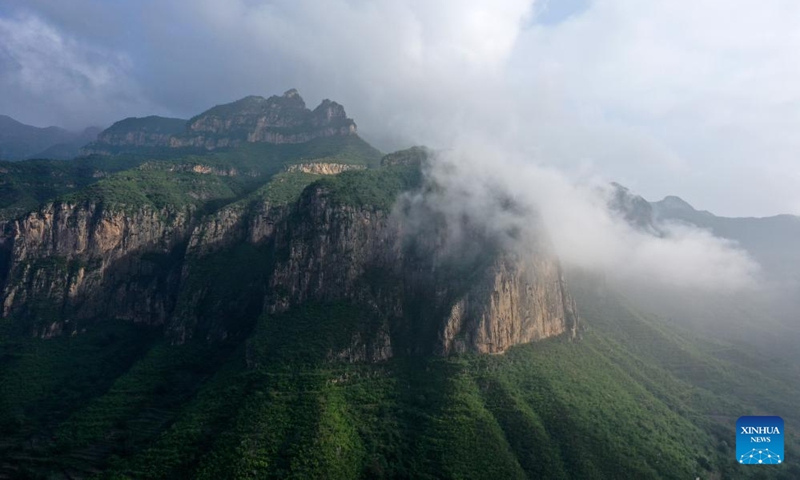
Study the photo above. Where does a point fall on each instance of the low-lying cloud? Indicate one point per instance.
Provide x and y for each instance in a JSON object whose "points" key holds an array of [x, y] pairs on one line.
{"points": [[575, 218]]}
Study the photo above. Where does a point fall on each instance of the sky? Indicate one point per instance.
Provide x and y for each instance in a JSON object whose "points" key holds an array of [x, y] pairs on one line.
{"points": [[696, 98]]}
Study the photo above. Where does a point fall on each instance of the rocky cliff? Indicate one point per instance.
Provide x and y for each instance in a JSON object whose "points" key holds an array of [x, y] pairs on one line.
{"points": [[433, 299], [277, 120], [68, 262], [209, 276]]}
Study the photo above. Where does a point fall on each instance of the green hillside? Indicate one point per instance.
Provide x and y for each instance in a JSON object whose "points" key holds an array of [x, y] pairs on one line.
{"points": [[631, 399], [27, 184]]}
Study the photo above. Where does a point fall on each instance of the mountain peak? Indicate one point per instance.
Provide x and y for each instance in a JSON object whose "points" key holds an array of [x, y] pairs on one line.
{"points": [[279, 119], [632, 208], [291, 93], [675, 203]]}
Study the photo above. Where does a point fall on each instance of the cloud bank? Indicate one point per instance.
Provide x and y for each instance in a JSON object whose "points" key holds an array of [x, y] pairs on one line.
{"points": [[480, 181]]}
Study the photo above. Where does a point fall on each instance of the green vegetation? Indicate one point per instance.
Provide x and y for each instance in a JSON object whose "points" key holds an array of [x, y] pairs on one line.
{"points": [[285, 187], [156, 187], [378, 188], [163, 176], [25, 185], [611, 405], [268, 159], [415, 155], [43, 380], [635, 397]]}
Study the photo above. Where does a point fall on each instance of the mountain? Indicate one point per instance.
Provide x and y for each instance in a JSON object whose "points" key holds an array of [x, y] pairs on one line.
{"points": [[19, 141], [72, 258], [72, 148], [772, 241], [764, 315], [275, 302], [276, 120]]}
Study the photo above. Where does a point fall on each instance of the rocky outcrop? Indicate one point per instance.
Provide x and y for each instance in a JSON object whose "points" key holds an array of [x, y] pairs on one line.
{"points": [[633, 209], [322, 168], [277, 120], [519, 300], [416, 155]]}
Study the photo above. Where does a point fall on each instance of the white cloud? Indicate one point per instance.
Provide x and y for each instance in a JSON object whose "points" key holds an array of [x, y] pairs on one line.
{"points": [[716, 82], [577, 221]]}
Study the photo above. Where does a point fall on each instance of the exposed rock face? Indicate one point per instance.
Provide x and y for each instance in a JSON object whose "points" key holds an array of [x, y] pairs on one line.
{"points": [[84, 261], [277, 120], [203, 277], [324, 168], [518, 301], [339, 251]]}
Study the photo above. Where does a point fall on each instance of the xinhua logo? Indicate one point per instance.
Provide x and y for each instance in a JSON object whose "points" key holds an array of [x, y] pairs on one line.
{"points": [[759, 440]]}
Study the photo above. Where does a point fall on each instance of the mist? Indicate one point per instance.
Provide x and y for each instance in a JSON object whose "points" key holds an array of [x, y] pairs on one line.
{"points": [[527, 207]]}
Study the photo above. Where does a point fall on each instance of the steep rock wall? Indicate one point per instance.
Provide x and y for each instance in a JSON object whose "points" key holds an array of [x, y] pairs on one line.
{"points": [[433, 301], [85, 260], [208, 278]]}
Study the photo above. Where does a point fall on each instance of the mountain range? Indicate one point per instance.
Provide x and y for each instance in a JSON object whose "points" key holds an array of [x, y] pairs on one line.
{"points": [[244, 295], [19, 141]]}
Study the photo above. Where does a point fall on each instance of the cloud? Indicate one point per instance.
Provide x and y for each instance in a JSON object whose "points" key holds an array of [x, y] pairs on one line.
{"points": [[52, 78], [715, 82], [479, 181]]}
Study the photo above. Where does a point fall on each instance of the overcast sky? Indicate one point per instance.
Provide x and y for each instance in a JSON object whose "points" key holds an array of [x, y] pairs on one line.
{"points": [[698, 98]]}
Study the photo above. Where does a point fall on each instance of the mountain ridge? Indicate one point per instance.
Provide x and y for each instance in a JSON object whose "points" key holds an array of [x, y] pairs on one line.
{"points": [[19, 141], [283, 119]]}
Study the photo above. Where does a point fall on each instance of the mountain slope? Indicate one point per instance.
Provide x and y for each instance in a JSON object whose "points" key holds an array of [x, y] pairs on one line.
{"points": [[632, 399]]}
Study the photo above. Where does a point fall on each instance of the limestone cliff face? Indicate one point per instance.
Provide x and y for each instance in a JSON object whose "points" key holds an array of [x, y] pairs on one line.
{"points": [[277, 120], [432, 301], [324, 168], [85, 260], [207, 277], [519, 300]]}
